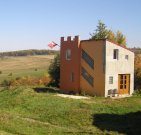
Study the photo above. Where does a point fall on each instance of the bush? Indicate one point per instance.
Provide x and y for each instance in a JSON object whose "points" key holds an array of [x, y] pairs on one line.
{"points": [[137, 80], [26, 81], [137, 93], [0, 72], [54, 71], [36, 69], [6, 83]]}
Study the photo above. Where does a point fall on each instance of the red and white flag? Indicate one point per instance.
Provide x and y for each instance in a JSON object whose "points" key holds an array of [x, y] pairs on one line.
{"points": [[52, 44]]}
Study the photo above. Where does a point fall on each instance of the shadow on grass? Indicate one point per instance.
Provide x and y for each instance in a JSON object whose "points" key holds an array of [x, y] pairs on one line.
{"points": [[45, 90], [129, 123], [52, 90]]}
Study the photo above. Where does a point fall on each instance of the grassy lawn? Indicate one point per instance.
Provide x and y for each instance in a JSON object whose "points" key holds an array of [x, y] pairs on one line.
{"points": [[24, 66], [24, 111]]}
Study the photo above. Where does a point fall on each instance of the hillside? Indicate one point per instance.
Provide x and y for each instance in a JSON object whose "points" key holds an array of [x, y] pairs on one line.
{"points": [[24, 111], [13, 67]]}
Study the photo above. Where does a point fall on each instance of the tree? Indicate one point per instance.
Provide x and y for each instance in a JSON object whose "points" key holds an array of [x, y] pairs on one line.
{"points": [[120, 38], [54, 71], [111, 36], [103, 33]]}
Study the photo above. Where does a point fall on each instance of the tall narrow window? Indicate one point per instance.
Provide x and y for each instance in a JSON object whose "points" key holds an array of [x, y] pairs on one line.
{"points": [[88, 59], [72, 77], [68, 54], [87, 76], [115, 54]]}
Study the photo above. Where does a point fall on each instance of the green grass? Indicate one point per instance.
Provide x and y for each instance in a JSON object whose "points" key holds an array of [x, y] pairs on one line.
{"points": [[24, 111], [34, 66]]}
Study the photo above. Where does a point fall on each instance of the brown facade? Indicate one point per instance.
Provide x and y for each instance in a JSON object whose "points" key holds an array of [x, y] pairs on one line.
{"points": [[95, 49], [70, 69], [71, 78]]}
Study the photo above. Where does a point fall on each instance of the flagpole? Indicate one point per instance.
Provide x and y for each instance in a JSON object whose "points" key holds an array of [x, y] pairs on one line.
{"points": [[58, 45]]}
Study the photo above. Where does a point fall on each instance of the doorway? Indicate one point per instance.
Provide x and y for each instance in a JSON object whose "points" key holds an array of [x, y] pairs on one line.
{"points": [[123, 83]]}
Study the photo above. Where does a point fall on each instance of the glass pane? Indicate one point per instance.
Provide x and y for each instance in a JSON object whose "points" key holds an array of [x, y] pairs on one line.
{"points": [[121, 86], [121, 76], [68, 54], [124, 86], [121, 81], [111, 80]]}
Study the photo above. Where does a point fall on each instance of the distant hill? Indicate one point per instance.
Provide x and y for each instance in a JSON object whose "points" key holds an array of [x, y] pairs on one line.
{"points": [[30, 52], [136, 50]]}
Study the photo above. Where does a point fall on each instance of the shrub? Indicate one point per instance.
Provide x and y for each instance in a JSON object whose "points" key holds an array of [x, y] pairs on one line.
{"points": [[54, 71], [36, 69], [26, 81], [6, 83], [137, 93], [0, 72]]}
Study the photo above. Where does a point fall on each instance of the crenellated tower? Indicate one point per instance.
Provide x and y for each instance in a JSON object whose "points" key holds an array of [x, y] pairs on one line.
{"points": [[70, 64]]}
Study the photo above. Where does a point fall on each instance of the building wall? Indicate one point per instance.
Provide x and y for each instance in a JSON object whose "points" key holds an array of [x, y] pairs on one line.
{"points": [[96, 50], [70, 66], [120, 66]]}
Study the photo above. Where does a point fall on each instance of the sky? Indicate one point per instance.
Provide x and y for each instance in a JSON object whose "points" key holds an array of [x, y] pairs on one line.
{"points": [[32, 24]]}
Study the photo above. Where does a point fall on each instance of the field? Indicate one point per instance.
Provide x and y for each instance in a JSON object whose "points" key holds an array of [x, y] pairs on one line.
{"points": [[27, 110], [12, 67], [23, 111]]}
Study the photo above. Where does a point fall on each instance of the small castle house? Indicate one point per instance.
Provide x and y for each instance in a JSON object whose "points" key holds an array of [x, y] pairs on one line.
{"points": [[96, 67]]}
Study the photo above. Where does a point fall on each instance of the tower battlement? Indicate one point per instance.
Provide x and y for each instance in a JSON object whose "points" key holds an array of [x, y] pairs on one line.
{"points": [[70, 39]]}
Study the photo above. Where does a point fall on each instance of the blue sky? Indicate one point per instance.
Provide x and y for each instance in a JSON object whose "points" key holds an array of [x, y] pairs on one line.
{"points": [[32, 24]]}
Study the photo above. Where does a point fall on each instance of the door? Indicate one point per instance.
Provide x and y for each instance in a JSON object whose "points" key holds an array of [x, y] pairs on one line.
{"points": [[123, 83]]}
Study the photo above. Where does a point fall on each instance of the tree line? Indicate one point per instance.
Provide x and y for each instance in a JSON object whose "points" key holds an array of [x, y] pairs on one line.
{"points": [[30, 52]]}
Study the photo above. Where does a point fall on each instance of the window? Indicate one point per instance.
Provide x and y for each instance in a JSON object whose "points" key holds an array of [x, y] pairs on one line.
{"points": [[87, 76], [68, 54], [115, 54], [126, 57], [111, 80], [87, 59], [72, 77]]}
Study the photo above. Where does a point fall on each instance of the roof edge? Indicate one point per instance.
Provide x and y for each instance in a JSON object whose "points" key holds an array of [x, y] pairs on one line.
{"points": [[89, 40], [120, 45]]}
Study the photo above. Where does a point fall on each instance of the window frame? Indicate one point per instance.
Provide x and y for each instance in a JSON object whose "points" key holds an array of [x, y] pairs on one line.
{"points": [[116, 54], [87, 58], [127, 57], [72, 77], [111, 79], [87, 76], [68, 54]]}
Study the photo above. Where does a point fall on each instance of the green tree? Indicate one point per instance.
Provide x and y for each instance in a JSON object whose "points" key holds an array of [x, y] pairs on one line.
{"points": [[120, 38], [54, 71], [101, 32], [137, 72], [111, 36]]}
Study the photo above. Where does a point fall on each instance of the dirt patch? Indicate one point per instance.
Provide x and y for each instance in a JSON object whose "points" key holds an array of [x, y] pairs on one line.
{"points": [[72, 96]]}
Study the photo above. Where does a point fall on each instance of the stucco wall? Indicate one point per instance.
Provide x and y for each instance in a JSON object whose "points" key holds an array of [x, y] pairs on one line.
{"points": [[95, 49], [120, 66]]}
